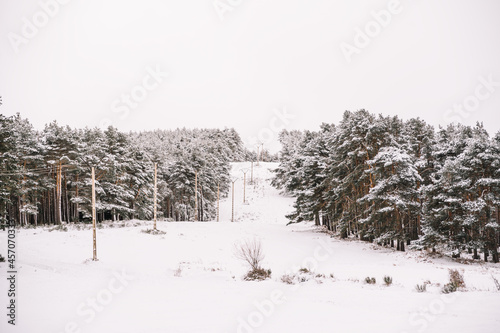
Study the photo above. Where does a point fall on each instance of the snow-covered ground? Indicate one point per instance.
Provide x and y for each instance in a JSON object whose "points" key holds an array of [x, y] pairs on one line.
{"points": [[189, 280]]}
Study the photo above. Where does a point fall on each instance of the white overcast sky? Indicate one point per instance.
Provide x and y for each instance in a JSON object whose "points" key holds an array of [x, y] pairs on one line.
{"points": [[264, 55]]}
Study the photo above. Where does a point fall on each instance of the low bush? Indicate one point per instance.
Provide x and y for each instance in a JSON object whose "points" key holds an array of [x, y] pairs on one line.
{"points": [[387, 280], [153, 232], [257, 274], [456, 278], [421, 288], [304, 275], [60, 227], [288, 279], [456, 282], [449, 288], [370, 280]]}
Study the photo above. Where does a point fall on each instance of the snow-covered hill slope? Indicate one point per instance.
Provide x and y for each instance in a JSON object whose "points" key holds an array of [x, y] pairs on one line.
{"points": [[189, 280]]}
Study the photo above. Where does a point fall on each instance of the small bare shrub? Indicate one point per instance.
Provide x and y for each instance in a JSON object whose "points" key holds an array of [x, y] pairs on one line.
{"points": [[387, 280], [370, 280], [497, 284], [304, 275], [251, 252], [287, 278], [421, 288]]}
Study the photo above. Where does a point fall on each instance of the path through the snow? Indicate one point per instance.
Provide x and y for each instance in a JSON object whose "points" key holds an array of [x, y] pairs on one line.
{"points": [[189, 280]]}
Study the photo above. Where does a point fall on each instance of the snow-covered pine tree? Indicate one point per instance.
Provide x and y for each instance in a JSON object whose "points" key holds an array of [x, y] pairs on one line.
{"points": [[393, 200], [442, 214], [477, 164], [357, 140]]}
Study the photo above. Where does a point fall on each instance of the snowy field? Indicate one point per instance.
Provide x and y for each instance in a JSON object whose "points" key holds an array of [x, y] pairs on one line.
{"points": [[189, 280]]}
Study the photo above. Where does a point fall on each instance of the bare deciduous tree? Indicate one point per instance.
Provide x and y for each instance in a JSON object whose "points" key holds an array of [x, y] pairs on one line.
{"points": [[250, 251]]}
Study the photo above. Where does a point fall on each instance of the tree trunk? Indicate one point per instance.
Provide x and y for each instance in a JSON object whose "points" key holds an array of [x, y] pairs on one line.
{"points": [[55, 206], [494, 255], [66, 197]]}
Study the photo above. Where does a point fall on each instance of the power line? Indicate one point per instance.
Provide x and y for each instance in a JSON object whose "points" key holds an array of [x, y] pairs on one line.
{"points": [[39, 171]]}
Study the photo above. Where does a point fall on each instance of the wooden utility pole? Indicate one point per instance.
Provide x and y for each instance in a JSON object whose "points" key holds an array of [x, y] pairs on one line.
{"points": [[244, 183], [94, 258], [232, 206], [23, 219], [232, 199], [251, 173], [155, 193], [218, 196], [196, 196], [258, 147]]}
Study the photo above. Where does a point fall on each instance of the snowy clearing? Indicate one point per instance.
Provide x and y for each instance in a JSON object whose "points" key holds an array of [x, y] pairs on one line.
{"points": [[189, 280]]}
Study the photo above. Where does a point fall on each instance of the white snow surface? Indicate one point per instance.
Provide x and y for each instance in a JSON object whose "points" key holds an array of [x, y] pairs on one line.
{"points": [[189, 279]]}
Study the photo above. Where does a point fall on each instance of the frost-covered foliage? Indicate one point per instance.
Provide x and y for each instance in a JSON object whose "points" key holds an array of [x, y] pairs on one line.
{"points": [[30, 162], [396, 182], [183, 155]]}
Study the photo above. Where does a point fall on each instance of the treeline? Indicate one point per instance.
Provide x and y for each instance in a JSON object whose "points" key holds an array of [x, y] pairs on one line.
{"points": [[45, 176], [397, 183]]}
